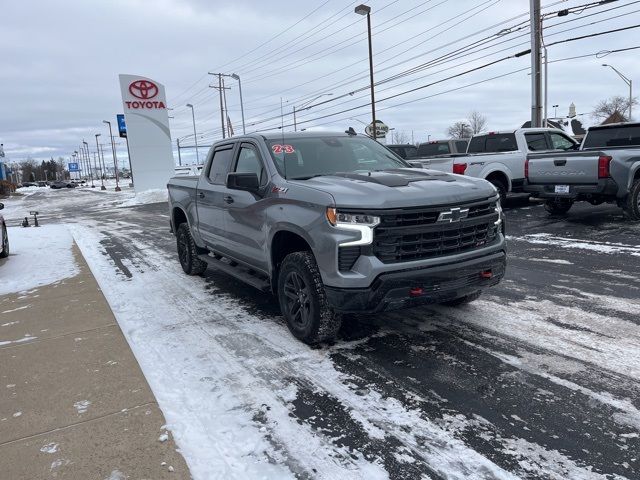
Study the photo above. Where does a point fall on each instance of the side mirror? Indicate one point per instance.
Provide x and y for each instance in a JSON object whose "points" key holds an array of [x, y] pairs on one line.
{"points": [[243, 181], [1, 206]]}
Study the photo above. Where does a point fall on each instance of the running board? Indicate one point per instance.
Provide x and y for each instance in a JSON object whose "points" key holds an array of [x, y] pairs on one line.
{"points": [[240, 272]]}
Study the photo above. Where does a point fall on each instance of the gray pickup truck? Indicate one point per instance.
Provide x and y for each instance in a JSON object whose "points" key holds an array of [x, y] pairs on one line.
{"points": [[606, 168], [334, 223]]}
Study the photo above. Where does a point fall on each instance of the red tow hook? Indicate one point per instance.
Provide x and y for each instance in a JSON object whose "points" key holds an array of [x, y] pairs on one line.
{"points": [[486, 274], [415, 292]]}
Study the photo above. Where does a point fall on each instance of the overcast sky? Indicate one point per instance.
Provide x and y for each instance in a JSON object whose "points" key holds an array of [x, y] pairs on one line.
{"points": [[61, 60]]}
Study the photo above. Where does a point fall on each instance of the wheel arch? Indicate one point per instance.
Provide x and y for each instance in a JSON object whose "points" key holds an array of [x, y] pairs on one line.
{"points": [[284, 241]]}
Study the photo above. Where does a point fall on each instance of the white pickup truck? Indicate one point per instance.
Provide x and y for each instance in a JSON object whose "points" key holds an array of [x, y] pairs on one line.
{"points": [[499, 157]]}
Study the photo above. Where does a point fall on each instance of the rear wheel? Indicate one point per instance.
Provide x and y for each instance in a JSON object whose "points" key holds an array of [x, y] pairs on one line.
{"points": [[456, 302], [188, 252], [501, 187], [632, 205], [5, 243], [558, 206], [303, 300]]}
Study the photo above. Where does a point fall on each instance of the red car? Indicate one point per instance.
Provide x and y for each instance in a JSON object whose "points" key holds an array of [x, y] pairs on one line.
{"points": [[5, 238]]}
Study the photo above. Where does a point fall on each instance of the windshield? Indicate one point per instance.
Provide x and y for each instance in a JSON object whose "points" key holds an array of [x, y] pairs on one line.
{"points": [[622, 136], [305, 157]]}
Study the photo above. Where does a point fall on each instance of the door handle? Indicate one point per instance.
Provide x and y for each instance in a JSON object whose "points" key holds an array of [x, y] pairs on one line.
{"points": [[560, 162], [228, 199], [201, 195]]}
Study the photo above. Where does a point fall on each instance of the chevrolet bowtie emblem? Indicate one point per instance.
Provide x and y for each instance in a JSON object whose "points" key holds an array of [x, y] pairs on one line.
{"points": [[453, 215]]}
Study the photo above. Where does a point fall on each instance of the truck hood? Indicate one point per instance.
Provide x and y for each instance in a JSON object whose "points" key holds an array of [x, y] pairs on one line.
{"points": [[398, 188]]}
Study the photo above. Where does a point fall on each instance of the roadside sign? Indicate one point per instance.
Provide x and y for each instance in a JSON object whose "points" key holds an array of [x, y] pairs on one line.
{"points": [[381, 129], [122, 126], [73, 167]]}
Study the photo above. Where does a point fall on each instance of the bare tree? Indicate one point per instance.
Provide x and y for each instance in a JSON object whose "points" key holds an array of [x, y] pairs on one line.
{"points": [[28, 168], [459, 130], [399, 137], [477, 121], [617, 103]]}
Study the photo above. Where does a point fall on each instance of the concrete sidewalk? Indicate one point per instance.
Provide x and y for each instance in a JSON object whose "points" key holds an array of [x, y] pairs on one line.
{"points": [[74, 403]]}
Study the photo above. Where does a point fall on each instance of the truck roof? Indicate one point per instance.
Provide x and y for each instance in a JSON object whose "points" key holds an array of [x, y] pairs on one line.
{"points": [[523, 130]]}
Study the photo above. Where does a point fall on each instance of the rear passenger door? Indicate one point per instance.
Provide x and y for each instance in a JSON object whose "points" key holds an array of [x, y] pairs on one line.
{"points": [[209, 197], [245, 211]]}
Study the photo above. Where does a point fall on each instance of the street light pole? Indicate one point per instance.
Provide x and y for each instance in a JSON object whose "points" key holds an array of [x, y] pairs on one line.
{"points": [[237, 77], [86, 146], [195, 135], [113, 153], [366, 10], [101, 172], [301, 107], [555, 111], [627, 81]]}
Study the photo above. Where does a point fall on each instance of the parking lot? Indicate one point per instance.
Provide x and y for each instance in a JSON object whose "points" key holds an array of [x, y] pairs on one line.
{"points": [[537, 379]]}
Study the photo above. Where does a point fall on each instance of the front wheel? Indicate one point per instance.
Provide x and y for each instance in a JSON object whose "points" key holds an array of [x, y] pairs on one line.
{"points": [[5, 243], [501, 188], [558, 206], [303, 300], [188, 252], [632, 205]]}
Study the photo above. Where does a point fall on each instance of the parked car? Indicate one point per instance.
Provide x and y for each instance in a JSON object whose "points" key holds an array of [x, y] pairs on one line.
{"points": [[335, 223], [4, 252], [28, 184], [606, 169], [404, 150], [63, 184]]}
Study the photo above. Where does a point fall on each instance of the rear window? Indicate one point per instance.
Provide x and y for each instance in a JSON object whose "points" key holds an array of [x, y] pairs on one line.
{"points": [[536, 141], [499, 142], [411, 152], [623, 136], [427, 149], [461, 146]]}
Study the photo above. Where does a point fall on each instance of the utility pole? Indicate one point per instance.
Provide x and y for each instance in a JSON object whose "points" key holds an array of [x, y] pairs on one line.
{"points": [[219, 88], [536, 65], [179, 157], [113, 153], [100, 164], [86, 145]]}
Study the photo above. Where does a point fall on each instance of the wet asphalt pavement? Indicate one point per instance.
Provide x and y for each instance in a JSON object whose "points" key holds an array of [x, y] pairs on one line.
{"points": [[541, 376]]}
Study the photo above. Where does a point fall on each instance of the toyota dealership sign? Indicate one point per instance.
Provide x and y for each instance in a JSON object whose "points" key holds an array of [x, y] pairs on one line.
{"points": [[145, 112]]}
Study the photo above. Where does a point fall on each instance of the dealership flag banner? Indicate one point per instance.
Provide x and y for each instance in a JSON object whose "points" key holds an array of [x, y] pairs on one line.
{"points": [[145, 111]]}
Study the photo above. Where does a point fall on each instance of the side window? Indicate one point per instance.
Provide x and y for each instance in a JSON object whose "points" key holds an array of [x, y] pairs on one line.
{"points": [[220, 165], [536, 141], [560, 142], [248, 162]]}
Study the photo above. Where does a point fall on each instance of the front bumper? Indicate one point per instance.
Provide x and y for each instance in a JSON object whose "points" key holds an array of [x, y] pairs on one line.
{"points": [[419, 286], [604, 187]]}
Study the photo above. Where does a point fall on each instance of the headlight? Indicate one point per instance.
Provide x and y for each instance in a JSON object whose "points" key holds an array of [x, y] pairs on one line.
{"points": [[357, 222], [498, 222]]}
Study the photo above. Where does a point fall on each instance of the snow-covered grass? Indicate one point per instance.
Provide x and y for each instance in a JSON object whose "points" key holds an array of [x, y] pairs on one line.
{"points": [[39, 256]]}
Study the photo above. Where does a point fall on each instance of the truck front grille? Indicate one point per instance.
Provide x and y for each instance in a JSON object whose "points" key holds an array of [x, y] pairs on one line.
{"points": [[417, 234]]}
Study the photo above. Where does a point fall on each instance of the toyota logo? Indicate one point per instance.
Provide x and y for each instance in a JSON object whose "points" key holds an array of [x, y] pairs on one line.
{"points": [[143, 89]]}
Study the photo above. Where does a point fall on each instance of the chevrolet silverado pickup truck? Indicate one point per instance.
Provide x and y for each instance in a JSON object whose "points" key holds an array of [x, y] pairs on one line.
{"points": [[499, 157], [606, 169], [333, 223]]}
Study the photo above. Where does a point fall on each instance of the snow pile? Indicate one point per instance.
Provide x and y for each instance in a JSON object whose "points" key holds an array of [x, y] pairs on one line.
{"points": [[156, 195], [39, 256]]}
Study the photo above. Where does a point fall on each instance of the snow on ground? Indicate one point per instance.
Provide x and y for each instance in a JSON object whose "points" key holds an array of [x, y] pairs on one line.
{"points": [[610, 248], [148, 196], [39, 256], [212, 365]]}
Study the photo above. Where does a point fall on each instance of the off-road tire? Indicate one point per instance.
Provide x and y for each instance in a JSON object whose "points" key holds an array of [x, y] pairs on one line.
{"points": [[5, 243], [632, 205], [502, 189], [456, 302], [558, 206], [303, 300], [188, 252]]}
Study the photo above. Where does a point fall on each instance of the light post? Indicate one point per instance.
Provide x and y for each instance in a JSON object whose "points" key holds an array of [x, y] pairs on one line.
{"points": [[555, 111], [101, 172], [301, 107], [627, 81], [237, 77], [113, 152], [86, 146], [366, 10], [195, 136]]}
